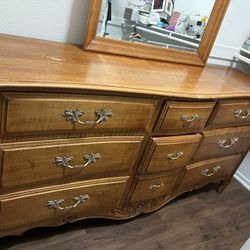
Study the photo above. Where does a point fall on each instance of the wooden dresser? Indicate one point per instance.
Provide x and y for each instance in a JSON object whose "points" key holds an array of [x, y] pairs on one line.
{"points": [[91, 135]]}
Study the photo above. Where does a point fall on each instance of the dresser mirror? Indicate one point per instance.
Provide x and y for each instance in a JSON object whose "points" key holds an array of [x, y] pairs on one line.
{"points": [[176, 24], [169, 30]]}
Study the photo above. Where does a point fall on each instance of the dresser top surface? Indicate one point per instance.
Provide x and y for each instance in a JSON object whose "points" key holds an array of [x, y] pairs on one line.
{"points": [[30, 63]]}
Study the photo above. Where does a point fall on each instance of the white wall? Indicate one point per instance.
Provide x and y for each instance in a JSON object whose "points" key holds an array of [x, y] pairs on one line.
{"points": [[58, 20], [65, 20], [243, 174], [203, 7], [234, 31]]}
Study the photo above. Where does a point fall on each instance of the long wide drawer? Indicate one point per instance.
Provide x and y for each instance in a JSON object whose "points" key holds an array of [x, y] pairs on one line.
{"points": [[47, 112], [201, 173], [60, 204], [169, 153], [221, 142], [90, 158]]}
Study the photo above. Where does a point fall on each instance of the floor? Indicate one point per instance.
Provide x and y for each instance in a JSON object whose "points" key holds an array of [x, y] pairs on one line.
{"points": [[200, 220]]}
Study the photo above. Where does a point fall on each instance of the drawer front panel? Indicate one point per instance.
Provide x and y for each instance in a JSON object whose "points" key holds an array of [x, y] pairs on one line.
{"points": [[180, 117], [153, 188], [168, 153], [73, 159], [78, 200], [201, 173], [34, 112], [221, 142], [231, 113]]}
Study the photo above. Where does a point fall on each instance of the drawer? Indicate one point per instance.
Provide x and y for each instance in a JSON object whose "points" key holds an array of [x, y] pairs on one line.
{"points": [[169, 153], [201, 173], [184, 117], [149, 188], [221, 142], [231, 113], [45, 207], [64, 160], [47, 112]]}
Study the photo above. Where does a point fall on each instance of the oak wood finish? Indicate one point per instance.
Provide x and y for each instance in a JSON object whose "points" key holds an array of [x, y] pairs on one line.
{"points": [[206, 215], [33, 163], [210, 146], [32, 113], [59, 67], [153, 188], [173, 120], [99, 44], [225, 115], [16, 207], [169, 153], [194, 178], [40, 79]]}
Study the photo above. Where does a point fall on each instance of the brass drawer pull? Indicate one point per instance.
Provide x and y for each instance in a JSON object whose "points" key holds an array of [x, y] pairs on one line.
{"points": [[205, 172], [222, 143], [74, 116], [187, 118], [56, 204], [152, 187], [64, 161], [239, 114], [176, 156]]}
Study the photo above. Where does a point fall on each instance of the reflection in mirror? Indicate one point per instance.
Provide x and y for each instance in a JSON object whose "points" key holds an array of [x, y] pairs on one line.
{"points": [[177, 24]]}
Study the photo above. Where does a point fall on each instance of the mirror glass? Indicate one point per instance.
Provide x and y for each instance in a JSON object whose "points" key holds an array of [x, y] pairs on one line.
{"points": [[177, 24]]}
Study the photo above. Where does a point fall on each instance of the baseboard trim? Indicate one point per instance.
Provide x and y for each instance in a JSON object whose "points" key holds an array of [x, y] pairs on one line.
{"points": [[243, 180], [223, 52]]}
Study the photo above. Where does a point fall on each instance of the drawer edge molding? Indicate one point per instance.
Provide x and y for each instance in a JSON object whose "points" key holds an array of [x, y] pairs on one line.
{"points": [[67, 186]]}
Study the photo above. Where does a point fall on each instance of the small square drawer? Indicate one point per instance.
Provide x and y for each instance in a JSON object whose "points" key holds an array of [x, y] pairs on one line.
{"points": [[221, 142], [67, 160], [149, 188], [201, 173], [170, 153], [29, 113], [231, 113], [60, 204], [184, 117]]}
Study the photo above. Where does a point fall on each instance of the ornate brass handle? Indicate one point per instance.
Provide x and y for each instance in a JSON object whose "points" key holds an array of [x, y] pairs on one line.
{"points": [[192, 118], [205, 172], [56, 204], [222, 143], [74, 116], [176, 156], [151, 187], [239, 114], [64, 161]]}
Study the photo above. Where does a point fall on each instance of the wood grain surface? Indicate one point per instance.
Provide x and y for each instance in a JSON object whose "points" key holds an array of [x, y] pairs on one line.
{"points": [[40, 79], [34, 163], [29, 63], [44, 112], [23, 210], [193, 177], [210, 147], [171, 118], [169, 153], [208, 221]]}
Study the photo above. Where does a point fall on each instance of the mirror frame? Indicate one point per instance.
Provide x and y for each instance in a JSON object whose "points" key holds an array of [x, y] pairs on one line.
{"points": [[95, 43]]}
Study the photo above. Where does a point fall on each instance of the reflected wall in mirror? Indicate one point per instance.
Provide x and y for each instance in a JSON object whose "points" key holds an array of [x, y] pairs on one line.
{"points": [[169, 30], [177, 24]]}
